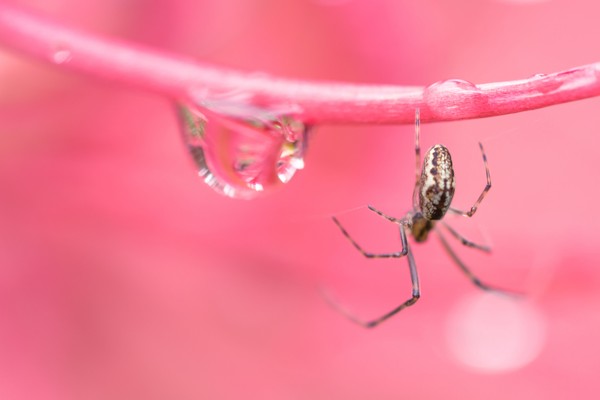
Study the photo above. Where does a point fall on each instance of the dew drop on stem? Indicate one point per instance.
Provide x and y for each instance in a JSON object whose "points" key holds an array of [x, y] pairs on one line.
{"points": [[61, 54], [240, 150], [445, 99]]}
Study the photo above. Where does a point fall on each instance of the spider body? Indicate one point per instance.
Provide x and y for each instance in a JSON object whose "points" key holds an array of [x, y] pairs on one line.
{"points": [[419, 226], [432, 195], [436, 184]]}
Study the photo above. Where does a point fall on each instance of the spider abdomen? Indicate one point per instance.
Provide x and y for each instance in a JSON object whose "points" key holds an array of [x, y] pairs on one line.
{"points": [[436, 186]]}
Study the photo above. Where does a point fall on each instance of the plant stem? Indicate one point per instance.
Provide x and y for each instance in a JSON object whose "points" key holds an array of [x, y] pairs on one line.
{"points": [[320, 102]]}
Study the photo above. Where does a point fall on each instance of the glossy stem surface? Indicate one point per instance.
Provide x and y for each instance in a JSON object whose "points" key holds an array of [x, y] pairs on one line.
{"points": [[320, 102]]}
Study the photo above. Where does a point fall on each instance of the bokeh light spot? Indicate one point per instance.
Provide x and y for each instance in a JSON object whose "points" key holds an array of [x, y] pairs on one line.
{"points": [[493, 333]]}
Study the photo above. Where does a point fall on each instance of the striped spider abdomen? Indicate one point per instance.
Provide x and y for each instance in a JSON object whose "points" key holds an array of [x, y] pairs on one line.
{"points": [[436, 185]]}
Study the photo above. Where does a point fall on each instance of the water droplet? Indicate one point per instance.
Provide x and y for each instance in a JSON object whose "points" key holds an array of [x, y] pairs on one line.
{"points": [[545, 83], [61, 54], [241, 150], [596, 70], [445, 98]]}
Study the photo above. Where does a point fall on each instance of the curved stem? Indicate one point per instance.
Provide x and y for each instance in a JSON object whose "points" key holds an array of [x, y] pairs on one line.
{"points": [[321, 102]]}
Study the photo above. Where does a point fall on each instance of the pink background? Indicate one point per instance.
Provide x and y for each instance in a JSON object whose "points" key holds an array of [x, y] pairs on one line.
{"points": [[123, 276]]}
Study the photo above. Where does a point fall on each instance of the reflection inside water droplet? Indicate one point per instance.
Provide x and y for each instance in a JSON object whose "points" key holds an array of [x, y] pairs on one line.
{"points": [[242, 150]]}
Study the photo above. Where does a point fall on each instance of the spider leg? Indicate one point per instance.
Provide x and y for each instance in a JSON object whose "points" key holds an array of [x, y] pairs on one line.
{"points": [[464, 241], [486, 189], [476, 281], [397, 254], [417, 157], [416, 292], [395, 220]]}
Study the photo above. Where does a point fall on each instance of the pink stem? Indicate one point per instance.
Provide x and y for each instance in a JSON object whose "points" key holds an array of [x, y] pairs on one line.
{"points": [[330, 102]]}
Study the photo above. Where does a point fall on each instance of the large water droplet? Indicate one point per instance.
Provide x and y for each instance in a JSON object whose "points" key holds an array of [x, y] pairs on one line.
{"points": [[241, 150], [445, 98]]}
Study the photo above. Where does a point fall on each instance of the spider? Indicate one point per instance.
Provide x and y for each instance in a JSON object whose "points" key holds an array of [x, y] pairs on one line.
{"points": [[432, 195]]}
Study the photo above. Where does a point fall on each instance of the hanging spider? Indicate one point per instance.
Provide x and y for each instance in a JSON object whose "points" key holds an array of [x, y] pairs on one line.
{"points": [[432, 195]]}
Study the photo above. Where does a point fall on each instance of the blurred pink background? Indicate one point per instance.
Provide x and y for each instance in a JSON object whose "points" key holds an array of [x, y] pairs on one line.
{"points": [[122, 276]]}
